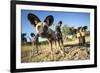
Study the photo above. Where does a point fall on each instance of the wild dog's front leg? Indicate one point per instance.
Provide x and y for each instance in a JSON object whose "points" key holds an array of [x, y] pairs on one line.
{"points": [[37, 48], [52, 54], [55, 45], [63, 47]]}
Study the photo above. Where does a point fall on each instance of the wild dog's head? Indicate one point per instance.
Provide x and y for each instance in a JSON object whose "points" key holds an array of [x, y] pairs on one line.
{"points": [[32, 34], [82, 29], [78, 30], [60, 23], [41, 27], [58, 27]]}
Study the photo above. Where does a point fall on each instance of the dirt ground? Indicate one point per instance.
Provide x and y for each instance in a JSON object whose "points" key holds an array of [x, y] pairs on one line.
{"points": [[72, 52]]}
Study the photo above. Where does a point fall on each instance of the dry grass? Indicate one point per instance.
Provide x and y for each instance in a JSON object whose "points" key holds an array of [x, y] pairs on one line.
{"points": [[29, 53]]}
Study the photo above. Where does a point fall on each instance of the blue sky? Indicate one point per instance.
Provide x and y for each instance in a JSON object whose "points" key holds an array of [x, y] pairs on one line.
{"points": [[72, 19]]}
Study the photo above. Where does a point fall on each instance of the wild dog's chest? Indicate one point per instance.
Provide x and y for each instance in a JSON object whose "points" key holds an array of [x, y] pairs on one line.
{"points": [[58, 29], [35, 38], [51, 34]]}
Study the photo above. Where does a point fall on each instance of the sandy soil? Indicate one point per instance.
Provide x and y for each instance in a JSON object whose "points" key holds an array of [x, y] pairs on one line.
{"points": [[72, 52]]}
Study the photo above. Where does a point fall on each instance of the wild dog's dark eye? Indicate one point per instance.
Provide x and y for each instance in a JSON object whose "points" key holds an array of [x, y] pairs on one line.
{"points": [[45, 26], [38, 27]]}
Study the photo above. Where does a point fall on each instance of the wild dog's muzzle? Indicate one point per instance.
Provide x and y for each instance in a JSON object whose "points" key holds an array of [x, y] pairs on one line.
{"points": [[43, 31]]}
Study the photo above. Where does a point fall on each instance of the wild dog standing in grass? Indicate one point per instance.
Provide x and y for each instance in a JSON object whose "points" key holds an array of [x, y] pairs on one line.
{"points": [[59, 36], [79, 36], [35, 41], [81, 33], [23, 38], [43, 29]]}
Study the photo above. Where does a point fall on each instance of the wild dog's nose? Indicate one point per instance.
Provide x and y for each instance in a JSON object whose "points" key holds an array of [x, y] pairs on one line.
{"points": [[45, 28]]}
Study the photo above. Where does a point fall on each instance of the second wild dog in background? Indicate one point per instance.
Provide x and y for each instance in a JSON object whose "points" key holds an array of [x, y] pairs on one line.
{"points": [[59, 36], [35, 41], [81, 33]]}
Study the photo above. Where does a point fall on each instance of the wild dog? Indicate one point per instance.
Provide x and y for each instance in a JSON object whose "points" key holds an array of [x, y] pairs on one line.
{"points": [[81, 33], [23, 38], [35, 40], [79, 36], [43, 29], [59, 36]]}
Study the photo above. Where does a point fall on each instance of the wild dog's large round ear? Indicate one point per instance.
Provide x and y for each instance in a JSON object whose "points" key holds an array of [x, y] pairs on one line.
{"points": [[33, 19], [79, 28], [49, 20], [32, 34], [85, 27], [75, 31], [60, 23]]}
